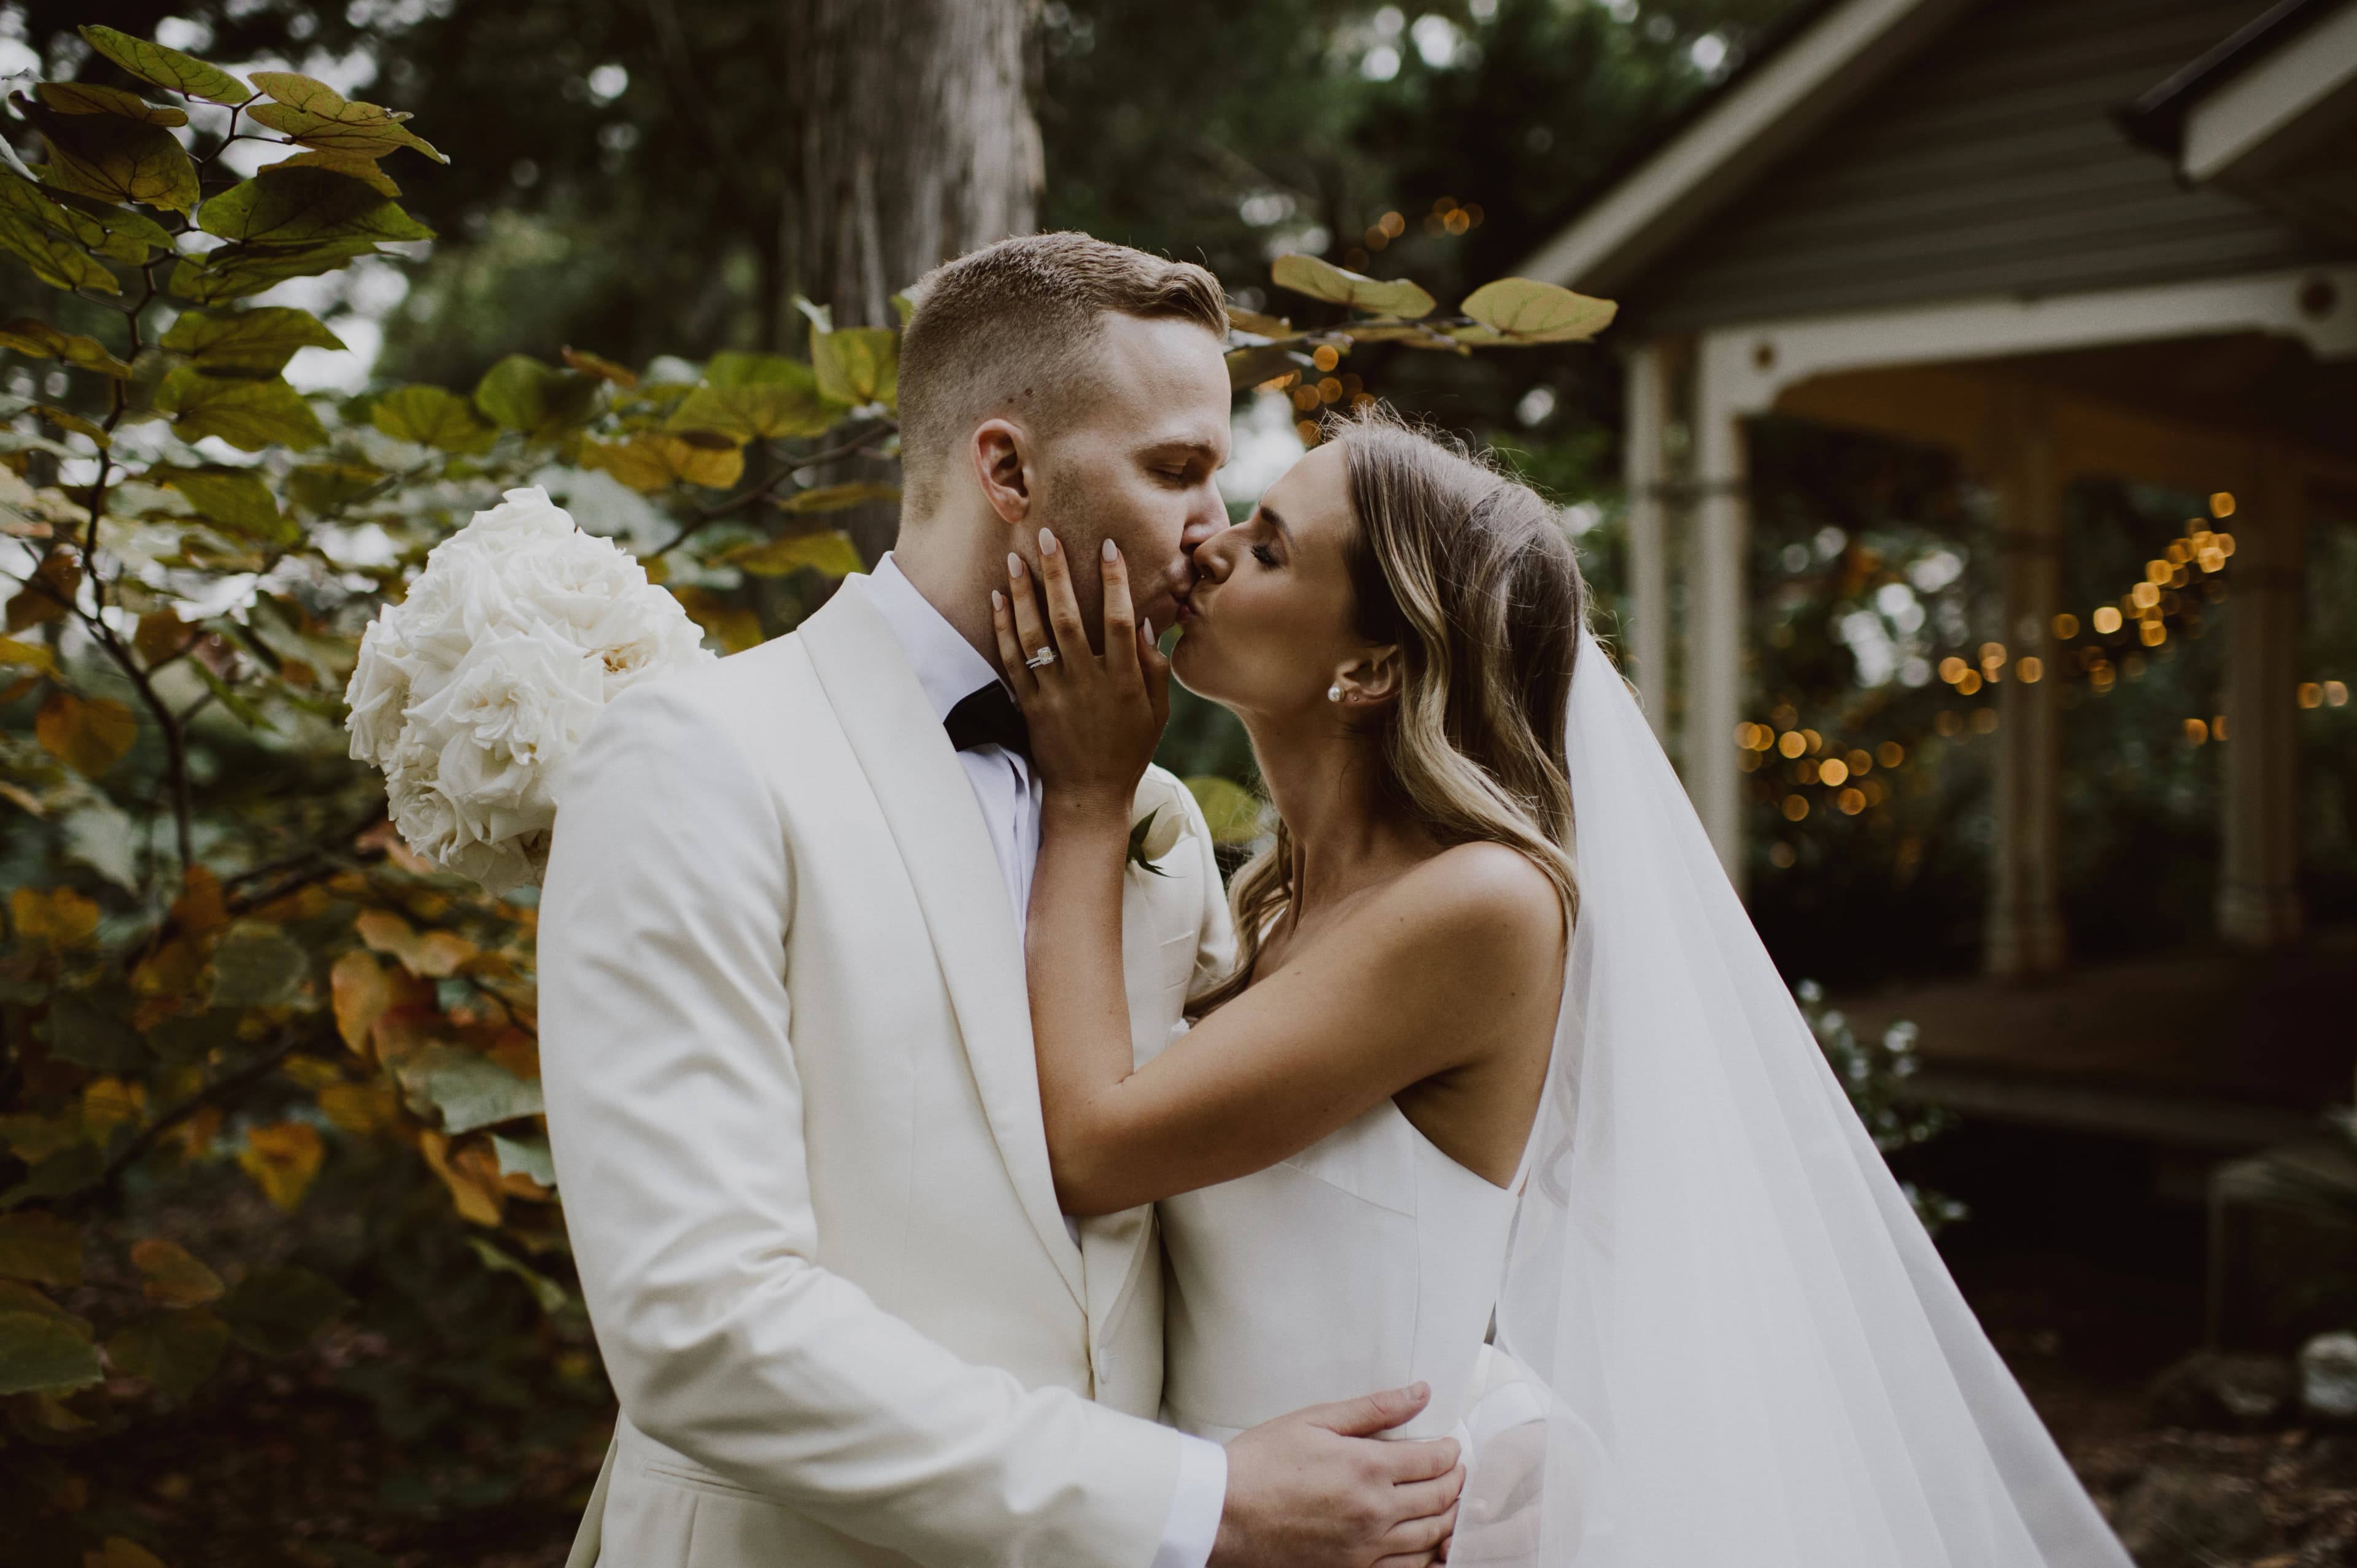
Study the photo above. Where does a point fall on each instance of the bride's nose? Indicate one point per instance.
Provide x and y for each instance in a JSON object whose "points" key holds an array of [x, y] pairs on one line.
{"points": [[1211, 560]]}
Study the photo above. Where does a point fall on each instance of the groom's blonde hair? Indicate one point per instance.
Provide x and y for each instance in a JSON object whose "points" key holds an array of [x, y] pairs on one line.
{"points": [[1011, 330]]}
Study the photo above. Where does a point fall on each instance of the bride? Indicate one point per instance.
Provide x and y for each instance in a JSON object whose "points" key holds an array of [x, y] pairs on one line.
{"points": [[1504, 1095]]}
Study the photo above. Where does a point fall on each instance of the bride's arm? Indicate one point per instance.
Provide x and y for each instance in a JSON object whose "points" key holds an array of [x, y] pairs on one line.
{"points": [[1434, 973]]}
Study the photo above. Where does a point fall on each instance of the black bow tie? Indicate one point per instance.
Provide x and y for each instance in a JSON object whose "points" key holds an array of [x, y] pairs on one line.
{"points": [[989, 717]]}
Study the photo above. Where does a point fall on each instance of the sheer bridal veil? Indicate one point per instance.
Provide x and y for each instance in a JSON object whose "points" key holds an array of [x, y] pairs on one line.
{"points": [[1747, 1350]]}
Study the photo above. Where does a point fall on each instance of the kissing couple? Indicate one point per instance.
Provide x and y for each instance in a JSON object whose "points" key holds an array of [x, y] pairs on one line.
{"points": [[959, 1176]]}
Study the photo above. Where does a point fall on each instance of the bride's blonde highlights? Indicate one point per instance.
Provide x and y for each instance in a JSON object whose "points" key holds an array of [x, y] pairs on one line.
{"points": [[1469, 575]]}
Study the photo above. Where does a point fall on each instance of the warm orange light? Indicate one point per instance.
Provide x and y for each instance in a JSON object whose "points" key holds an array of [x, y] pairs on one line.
{"points": [[2224, 544], [1329, 388], [1890, 754], [1806, 772], [1795, 808], [2336, 693], [1968, 683], [2155, 572], [2196, 733], [1779, 855], [2222, 504], [1984, 720], [1852, 801], [1832, 770], [1860, 761], [2030, 668], [1305, 398], [1816, 742], [1325, 356], [2143, 595], [2312, 696], [1953, 669], [1791, 743], [1392, 223], [2105, 620], [1307, 431], [2217, 726], [2151, 633], [2066, 627]]}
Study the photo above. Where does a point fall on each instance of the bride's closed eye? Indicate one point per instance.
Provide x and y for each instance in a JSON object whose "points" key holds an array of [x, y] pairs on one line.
{"points": [[1263, 554]]}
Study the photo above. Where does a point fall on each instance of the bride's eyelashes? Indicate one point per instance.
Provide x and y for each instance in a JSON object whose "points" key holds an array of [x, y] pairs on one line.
{"points": [[1263, 554]]}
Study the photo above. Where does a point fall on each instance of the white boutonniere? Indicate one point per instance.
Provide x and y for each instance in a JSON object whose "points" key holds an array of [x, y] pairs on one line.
{"points": [[1161, 822]]}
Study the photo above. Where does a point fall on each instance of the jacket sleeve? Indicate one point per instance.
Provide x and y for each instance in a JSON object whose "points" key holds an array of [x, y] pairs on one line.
{"points": [[676, 1113]]}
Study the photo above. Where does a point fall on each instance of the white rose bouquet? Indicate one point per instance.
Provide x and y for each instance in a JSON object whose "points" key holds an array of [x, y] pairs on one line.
{"points": [[471, 692]]}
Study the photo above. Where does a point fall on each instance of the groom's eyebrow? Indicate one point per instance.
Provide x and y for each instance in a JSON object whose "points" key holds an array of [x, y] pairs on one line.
{"points": [[1207, 450]]}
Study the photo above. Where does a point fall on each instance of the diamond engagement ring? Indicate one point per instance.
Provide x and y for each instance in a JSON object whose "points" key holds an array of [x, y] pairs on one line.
{"points": [[1041, 659]]}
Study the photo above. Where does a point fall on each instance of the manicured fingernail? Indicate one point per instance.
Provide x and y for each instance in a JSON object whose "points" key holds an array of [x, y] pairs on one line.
{"points": [[1111, 551], [1145, 625], [997, 600], [1047, 543], [1013, 565]]}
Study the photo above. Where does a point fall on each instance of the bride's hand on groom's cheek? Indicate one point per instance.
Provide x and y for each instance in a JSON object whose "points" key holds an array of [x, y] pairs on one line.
{"points": [[1094, 718]]}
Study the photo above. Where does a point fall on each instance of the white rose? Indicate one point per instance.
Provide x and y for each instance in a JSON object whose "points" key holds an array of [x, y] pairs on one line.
{"points": [[379, 692], [1161, 802]]}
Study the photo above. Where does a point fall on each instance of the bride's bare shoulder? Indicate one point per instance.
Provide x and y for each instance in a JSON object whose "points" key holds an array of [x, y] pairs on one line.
{"points": [[1486, 902]]}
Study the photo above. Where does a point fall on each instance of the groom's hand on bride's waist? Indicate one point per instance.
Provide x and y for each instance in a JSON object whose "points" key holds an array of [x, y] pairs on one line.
{"points": [[1320, 1489]]}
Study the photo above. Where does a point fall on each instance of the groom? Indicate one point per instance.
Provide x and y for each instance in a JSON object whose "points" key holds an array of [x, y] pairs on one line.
{"points": [[787, 1048]]}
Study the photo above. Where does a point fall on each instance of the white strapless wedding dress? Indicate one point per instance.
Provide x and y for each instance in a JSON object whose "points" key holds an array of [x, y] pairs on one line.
{"points": [[1369, 1261]]}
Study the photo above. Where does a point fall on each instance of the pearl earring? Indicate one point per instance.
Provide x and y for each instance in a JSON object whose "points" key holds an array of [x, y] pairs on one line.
{"points": [[1333, 693]]}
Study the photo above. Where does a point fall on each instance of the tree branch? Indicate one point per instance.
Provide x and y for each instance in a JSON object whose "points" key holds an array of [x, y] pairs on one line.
{"points": [[212, 1094], [763, 491]]}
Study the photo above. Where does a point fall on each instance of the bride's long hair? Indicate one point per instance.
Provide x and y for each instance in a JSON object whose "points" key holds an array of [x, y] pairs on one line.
{"points": [[1468, 573]]}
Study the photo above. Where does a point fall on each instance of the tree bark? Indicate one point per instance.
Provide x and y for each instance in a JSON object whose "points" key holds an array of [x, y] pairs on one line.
{"points": [[914, 142]]}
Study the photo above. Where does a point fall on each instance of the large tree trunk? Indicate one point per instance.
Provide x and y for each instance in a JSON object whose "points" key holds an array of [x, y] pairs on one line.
{"points": [[915, 143]]}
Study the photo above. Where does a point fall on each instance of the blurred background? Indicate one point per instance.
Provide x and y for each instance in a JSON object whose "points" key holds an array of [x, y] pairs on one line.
{"points": [[1966, 484]]}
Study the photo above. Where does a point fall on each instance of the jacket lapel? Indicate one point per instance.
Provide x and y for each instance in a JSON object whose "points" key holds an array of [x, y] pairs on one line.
{"points": [[931, 813]]}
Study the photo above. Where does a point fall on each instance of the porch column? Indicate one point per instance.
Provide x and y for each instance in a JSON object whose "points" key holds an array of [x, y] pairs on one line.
{"points": [[1717, 604], [2024, 935], [1645, 465], [2258, 887]]}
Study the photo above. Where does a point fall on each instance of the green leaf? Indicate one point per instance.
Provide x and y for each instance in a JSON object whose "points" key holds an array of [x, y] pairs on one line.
{"points": [[1525, 310], [247, 343], [474, 1091], [321, 487], [545, 1292], [88, 1036], [66, 419], [283, 206], [755, 397], [433, 416], [1323, 279], [1260, 326], [525, 1156], [652, 461], [1230, 811], [168, 68], [84, 98], [522, 393], [44, 218], [115, 159], [248, 414], [39, 1246], [277, 1308], [42, 341], [857, 365], [838, 498], [1250, 366], [41, 1352], [352, 166], [62, 1176], [258, 968], [319, 116], [1139, 832], [236, 501], [174, 1350], [56, 259], [234, 272], [832, 554]]}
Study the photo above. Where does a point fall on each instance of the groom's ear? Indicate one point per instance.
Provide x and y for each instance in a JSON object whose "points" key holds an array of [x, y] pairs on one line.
{"points": [[1001, 453]]}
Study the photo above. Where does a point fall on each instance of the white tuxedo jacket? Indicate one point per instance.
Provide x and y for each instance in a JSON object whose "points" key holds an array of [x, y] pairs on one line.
{"points": [[787, 1052]]}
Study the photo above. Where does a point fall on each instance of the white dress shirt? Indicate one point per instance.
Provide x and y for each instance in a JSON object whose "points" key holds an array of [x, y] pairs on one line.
{"points": [[1008, 791]]}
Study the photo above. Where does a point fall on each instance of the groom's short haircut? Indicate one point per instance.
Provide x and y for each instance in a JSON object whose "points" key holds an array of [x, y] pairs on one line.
{"points": [[1011, 329]]}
